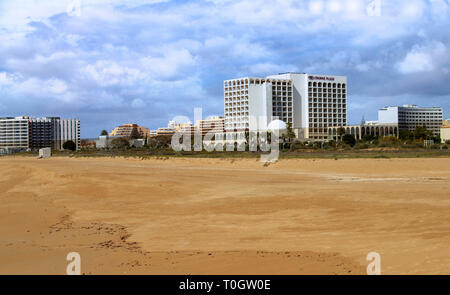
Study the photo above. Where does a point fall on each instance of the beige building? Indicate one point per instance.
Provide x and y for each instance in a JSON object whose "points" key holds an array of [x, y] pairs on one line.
{"points": [[445, 131], [164, 131], [130, 130], [214, 124]]}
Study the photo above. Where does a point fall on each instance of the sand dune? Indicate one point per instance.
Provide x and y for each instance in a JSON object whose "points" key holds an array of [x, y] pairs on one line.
{"points": [[224, 216]]}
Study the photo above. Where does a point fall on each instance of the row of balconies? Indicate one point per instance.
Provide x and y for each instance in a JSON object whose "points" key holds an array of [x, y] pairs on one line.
{"points": [[335, 123], [236, 108], [328, 100], [282, 104], [274, 94], [282, 100], [237, 101], [238, 98], [327, 115], [421, 117], [323, 110], [235, 105], [281, 88], [320, 90], [235, 93], [282, 115], [282, 109], [329, 85], [237, 115], [236, 88], [327, 96], [325, 106], [325, 119]]}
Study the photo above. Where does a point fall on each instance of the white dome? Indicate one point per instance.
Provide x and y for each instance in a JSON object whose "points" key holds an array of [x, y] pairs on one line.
{"points": [[277, 125]]}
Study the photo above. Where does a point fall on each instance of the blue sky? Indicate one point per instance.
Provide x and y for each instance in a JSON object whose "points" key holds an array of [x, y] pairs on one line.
{"points": [[145, 62]]}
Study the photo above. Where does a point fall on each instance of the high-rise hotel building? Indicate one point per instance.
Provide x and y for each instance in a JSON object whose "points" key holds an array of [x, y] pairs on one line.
{"points": [[311, 103]]}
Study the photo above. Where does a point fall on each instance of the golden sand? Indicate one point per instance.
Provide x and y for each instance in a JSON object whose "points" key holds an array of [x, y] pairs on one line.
{"points": [[224, 216]]}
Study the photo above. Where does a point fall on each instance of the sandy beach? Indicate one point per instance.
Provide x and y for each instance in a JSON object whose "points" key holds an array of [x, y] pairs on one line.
{"points": [[224, 216]]}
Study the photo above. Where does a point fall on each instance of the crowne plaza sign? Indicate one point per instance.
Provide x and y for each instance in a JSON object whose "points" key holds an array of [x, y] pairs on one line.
{"points": [[321, 78]]}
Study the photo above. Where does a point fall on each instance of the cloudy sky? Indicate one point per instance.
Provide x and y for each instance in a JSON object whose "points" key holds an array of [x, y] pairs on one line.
{"points": [[109, 62]]}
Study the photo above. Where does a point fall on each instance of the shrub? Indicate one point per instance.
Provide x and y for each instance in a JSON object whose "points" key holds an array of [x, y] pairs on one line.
{"points": [[390, 141], [120, 142], [349, 140], [362, 146], [70, 145]]}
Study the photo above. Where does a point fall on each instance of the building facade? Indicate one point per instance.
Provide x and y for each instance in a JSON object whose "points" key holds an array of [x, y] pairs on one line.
{"points": [[67, 129], [409, 117], [14, 133], [445, 131], [42, 133], [310, 103], [36, 133], [215, 124], [373, 129], [131, 131]]}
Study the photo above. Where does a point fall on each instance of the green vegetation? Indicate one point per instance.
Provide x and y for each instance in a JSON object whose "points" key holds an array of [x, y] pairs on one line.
{"points": [[346, 147], [119, 142], [70, 145], [349, 140]]}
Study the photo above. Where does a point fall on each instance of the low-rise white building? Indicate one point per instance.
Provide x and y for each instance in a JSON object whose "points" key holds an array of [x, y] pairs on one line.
{"points": [[409, 117]]}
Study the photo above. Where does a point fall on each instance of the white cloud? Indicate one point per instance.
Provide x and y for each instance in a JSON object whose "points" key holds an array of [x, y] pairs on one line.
{"points": [[440, 9], [108, 73], [57, 86], [119, 55], [422, 58], [5, 79], [416, 62], [171, 64]]}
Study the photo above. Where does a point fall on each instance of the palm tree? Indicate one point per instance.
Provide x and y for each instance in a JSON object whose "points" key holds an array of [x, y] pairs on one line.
{"points": [[341, 132], [290, 133]]}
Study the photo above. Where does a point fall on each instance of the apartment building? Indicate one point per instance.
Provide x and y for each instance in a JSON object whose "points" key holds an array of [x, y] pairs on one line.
{"points": [[409, 117], [67, 129], [310, 103], [445, 131], [36, 133], [131, 131], [14, 133], [165, 131], [214, 124]]}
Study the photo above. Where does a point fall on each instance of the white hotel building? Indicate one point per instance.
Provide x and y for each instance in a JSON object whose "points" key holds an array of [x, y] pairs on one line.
{"points": [[311, 103], [408, 117]]}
